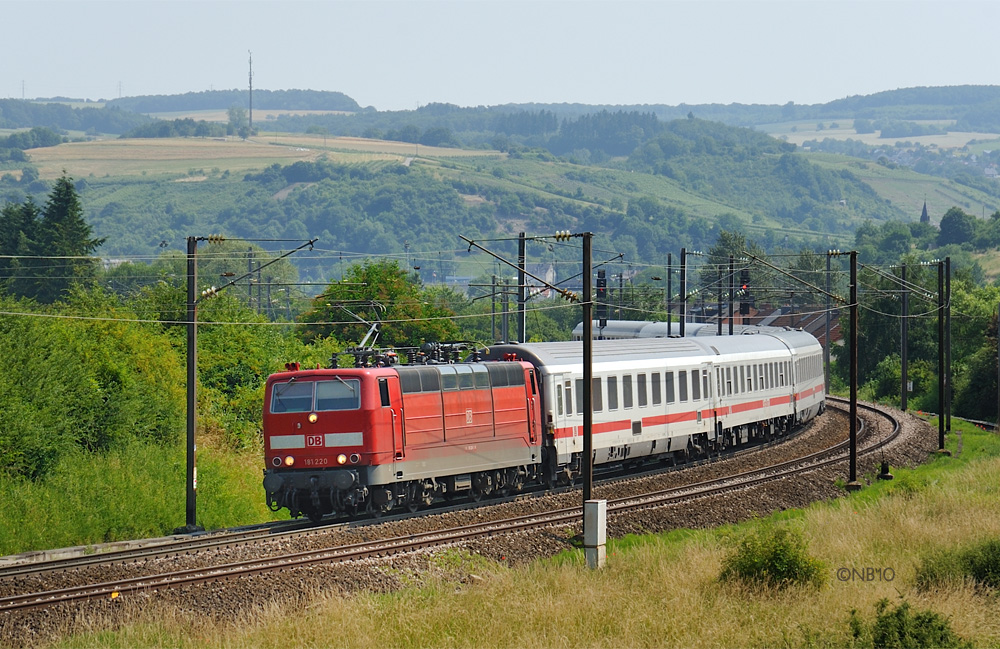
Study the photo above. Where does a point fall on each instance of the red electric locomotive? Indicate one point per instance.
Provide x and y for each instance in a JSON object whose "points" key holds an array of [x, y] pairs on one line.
{"points": [[340, 441]]}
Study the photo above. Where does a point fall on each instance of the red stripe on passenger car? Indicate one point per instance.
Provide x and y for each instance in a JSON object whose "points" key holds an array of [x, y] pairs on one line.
{"points": [[749, 405]]}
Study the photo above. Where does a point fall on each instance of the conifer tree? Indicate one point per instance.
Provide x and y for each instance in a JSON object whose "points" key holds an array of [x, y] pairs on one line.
{"points": [[48, 250]]}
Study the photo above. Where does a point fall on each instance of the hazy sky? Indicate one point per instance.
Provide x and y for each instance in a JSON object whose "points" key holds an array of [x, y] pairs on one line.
{"points": [[399, 55]]}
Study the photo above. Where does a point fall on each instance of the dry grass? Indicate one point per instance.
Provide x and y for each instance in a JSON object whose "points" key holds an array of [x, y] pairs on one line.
{"points": [[807, 131], [160, 156], [405, 149], [178, 156]]}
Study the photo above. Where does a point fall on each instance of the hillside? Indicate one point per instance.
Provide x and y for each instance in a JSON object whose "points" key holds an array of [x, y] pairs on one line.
{"points": [[371, 196], [647, 186], [139, 193]]}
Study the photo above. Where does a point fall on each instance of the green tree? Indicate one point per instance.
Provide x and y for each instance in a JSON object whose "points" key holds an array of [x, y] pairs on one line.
{"points": [[18, 227], [379, 291], [52, 247], [238, 120], [956, 227]]}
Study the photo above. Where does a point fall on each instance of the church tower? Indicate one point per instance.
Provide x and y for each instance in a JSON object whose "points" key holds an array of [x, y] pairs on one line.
{"points": [[924, 216]]}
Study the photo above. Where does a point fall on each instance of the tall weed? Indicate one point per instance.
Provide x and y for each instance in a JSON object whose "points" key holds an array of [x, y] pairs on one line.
{"points": [[772, 556], [903, 627], [979, 563]]}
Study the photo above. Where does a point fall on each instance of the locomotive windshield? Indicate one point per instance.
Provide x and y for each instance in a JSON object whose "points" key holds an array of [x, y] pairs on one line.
{"points": [[309, 396]]}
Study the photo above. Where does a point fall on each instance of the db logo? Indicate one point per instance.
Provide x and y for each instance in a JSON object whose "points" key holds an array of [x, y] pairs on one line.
{"points": [[468, 416], [314, 440]]}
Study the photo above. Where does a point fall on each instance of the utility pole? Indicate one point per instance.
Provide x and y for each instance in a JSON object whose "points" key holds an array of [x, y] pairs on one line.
{"points": [[250, 277], [853, 484], [826, 346], [941, 361], [949, 393], [732, 288], [594, 511], [493, 308], [505, 306], [522, 335], [682, 315], [192, 385], [718, 297], [251, 90], [904, 344], [588, 369], [191, 323], [670, 297]]}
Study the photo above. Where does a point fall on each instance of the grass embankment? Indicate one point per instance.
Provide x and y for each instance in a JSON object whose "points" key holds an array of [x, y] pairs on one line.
{"points": [[133, 492], [665, 590]]}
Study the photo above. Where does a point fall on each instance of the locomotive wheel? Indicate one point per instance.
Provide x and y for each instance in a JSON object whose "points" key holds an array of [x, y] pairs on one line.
{"points": [[314, 515]]}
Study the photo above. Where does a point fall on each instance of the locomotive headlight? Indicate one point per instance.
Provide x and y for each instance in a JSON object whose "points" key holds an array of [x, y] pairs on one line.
{"points": [[313, 417], [341, 459], [289, 461]]}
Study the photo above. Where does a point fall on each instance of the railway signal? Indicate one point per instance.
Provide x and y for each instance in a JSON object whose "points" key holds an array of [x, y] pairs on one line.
{"points": [[745, 291]]}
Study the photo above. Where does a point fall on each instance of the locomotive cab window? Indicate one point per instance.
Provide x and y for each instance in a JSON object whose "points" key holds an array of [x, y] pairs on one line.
{"points": [[339, 394], [292, 396], [383, 392]]}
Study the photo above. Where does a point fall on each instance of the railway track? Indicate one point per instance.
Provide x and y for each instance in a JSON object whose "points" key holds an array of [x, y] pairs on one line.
{"points": [[301, 528], [568, 516]]}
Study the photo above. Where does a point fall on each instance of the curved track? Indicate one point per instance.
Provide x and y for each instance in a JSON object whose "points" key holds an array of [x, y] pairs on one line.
{"points": [[301, 528], [385, 547]]}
